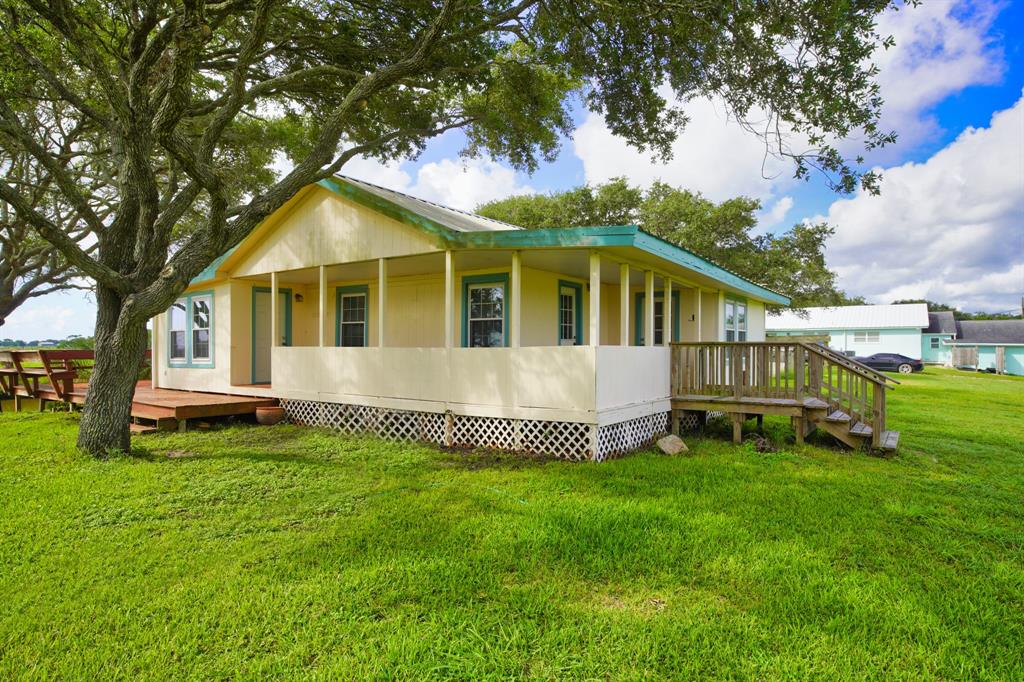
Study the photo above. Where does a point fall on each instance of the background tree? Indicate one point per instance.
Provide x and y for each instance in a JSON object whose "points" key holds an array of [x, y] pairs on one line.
{"points": [[934, 306], [194, 100], [792, 263]]}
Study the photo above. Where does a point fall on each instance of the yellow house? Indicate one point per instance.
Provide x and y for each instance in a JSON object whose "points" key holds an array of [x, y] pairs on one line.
{"points": [[400, 317]]}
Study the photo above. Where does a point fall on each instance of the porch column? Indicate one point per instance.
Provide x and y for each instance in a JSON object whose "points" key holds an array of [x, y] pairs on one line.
{"points": [[624, 304], [720, 334], [323, 306], [700, 315], [649, 307], [273, 310], [666, 320], [154, 357], [382, 298], [449, 299], [515, 335], [595, 298]]}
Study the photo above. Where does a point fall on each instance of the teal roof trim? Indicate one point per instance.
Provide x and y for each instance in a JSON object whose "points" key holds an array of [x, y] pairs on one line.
{"points": [[210, 271], [679, 255], [388, 208]]}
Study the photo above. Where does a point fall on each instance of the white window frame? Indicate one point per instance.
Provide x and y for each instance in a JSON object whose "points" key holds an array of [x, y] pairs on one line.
{"points": [[183, 330], [934, 343], [189, 359], [193, 300], [364, 323], [470, 288], [737, 330], [867, 336]]}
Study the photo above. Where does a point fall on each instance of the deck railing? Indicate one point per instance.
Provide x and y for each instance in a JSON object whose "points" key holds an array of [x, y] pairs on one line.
{"points": [[782, 370]]}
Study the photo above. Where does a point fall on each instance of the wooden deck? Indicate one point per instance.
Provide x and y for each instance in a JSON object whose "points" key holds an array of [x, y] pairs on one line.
{"points": [[166, 409], [815, 387]]}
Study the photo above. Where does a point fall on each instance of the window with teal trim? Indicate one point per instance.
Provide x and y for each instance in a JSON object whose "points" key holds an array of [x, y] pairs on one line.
{"points": [[353, 320], [735, 320], [486, 315], [190, 331]]}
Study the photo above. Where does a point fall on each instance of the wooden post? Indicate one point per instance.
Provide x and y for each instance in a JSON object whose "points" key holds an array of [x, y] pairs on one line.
{"points": [[700, 314], [382, 299], [624, 304], [449, 299], [515, 305], [323, 305], [649, 308], [595, 298], [666, 320], [273, 310], [798, 371], [737, 427]]}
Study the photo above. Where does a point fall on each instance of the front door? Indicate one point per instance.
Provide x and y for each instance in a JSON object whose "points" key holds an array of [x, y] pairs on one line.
{"points": [[261, 330], [568, 333]]}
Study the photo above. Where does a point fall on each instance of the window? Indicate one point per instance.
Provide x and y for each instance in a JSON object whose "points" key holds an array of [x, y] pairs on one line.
{"points": [[659, 318], [176, 324], [865, 337], [570, 313], [202, 307], [486, 315], [934, 341], [735, 320], [190, 331], [353, 319]]}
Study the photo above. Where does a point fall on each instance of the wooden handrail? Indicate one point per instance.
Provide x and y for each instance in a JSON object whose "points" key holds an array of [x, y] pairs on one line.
{"points": [[847, 361]]}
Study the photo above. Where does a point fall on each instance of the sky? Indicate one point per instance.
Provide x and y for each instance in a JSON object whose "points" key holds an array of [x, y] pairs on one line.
{"points": [[949, 222]]}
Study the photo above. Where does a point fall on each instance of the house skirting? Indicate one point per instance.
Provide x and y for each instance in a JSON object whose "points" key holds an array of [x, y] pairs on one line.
{"points": [[567, 440]]}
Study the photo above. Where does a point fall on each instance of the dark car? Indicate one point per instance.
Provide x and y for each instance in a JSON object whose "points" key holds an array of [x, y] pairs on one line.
{"points": [[892, 362]]}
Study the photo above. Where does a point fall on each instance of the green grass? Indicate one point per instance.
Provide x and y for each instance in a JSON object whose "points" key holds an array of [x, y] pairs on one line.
{"points": [[287, 552]]}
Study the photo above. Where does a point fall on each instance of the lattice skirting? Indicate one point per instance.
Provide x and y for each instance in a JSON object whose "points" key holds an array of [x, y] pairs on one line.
{"points": [[567, 440], [618, 439]]}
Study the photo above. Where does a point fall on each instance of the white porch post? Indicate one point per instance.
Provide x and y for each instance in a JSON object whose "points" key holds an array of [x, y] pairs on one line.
{"points": [[666, 307], [449, 299], [515, 337], [323, 306], [720, 335], [595, 298], [700, 314], [649, 308], [273, 310], [624, 304], [154, 355], [382, 298]]}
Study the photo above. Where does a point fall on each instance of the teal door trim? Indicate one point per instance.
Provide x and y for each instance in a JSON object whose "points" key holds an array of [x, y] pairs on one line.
{"points": [[500, 278], [638, 322], [363, 289], [578, 288], [287, 325]]}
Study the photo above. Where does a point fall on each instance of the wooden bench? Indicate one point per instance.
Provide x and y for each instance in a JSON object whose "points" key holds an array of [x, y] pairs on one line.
{"points": [[32, 366]]}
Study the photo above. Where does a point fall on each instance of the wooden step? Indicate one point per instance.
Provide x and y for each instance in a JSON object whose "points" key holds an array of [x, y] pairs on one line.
{"points": [[140, 429], [861, 429], [838, 416], [815, 404], [890, 440], [151, 412]]}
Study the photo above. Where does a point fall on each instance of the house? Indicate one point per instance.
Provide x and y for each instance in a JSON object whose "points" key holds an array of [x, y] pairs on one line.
{"points": [[364, 309], [858, 329], [941, 330], [988, 345]]}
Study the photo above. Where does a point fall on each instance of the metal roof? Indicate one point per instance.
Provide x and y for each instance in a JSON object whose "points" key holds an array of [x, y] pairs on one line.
{"points": [[851, 317], [942, 322], [452, 218], [990, 331]]}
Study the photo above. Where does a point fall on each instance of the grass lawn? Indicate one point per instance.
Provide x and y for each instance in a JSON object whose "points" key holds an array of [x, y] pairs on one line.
{"points": [[289, 552]]}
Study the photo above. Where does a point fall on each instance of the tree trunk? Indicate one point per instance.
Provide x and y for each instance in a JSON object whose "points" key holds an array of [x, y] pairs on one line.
{"points": [[120, 353]]}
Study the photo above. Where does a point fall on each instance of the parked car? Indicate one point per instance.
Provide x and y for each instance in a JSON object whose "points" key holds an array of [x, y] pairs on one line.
{"points": [[892, 362]]}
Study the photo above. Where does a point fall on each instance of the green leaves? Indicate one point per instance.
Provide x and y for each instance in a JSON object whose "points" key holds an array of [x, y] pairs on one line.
{"points": [[792, 263]]}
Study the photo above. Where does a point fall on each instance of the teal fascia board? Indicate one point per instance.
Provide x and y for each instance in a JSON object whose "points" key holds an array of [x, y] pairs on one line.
{"points": [[210, 271], [680, 256]]}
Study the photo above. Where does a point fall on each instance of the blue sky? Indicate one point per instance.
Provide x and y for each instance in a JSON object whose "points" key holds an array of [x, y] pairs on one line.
{"points": [[949, 224]]}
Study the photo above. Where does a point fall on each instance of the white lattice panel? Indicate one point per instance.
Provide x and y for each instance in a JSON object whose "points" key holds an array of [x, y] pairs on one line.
{"points": [[618, 439], [690, 421], [401, 425]]}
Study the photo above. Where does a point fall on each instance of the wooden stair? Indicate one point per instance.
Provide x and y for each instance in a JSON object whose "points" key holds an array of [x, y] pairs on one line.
{"points": [[137, 429]]}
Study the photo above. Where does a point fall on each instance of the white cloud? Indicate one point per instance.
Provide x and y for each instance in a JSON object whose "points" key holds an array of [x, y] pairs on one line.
{"points": [[54, 316], [948, 229], [941, 48], [776, 214]]}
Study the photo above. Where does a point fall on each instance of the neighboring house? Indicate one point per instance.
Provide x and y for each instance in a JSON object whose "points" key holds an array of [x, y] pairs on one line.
{"points": [[996, 345], [858, 329], [936, 336], [416, 321]]}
